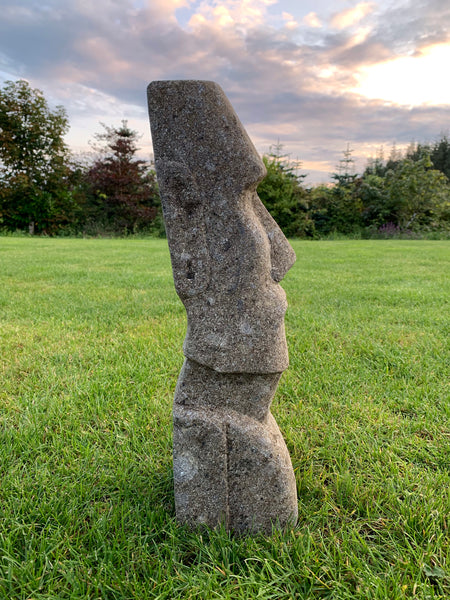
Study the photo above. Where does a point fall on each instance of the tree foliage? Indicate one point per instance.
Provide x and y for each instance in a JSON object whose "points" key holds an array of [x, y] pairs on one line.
{"points": [[284, 197], [43, 189], [34, 159], [403, 194], [440, 155], [338, 208], [124, 193], [417, 193]]}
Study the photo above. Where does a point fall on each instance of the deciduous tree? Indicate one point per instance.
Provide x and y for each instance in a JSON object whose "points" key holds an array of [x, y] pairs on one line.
{"points": [[33, 159], [418, 193], [284, 197]]}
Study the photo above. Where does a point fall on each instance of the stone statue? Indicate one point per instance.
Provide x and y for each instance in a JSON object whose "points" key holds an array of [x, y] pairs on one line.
{"points": [[230, 462]]}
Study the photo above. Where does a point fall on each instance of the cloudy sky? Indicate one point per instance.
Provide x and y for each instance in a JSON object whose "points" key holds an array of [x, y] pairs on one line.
{"points": [[314, 75]]}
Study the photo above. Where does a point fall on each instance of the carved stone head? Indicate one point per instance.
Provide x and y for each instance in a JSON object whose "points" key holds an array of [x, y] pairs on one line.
{"points": [[227, 252]]}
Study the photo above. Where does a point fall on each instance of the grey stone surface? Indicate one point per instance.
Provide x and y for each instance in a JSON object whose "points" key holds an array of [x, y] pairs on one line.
{"points": [[228, 255]]}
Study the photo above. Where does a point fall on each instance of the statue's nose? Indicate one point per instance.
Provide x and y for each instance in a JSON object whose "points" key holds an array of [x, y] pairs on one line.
{"points": [[253, 171]]}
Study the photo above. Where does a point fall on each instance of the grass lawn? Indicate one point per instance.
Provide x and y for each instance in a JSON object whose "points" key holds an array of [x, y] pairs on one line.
{"points": [[90, 336]]}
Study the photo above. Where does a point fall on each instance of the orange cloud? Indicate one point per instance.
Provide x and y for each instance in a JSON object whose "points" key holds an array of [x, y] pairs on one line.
{"points": [[247, 13], [350, 17], [312, 20]]}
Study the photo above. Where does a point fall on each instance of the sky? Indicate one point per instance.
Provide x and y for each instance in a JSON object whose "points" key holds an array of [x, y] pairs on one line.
{"points": [[311, 75]]}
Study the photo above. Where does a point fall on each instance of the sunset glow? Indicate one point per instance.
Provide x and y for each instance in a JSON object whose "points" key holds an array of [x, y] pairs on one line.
{"points": [[410, 80], [314, 75]]}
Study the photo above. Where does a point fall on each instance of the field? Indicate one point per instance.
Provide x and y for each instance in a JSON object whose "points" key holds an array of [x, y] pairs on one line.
{"points": [[90, 337]]}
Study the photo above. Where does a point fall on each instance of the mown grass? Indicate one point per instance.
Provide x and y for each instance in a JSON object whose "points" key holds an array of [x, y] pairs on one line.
{"points": [[91, 334]]}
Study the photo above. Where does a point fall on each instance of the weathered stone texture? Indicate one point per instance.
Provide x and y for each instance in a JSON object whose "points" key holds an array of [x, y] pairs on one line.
{"points": [[231, 464], [228, 255]]}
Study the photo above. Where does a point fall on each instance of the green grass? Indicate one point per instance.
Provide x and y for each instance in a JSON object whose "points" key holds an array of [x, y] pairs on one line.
{"points": [[90, 336]]}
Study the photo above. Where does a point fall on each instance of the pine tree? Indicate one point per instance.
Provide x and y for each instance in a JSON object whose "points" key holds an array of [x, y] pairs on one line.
{"points": [[123, 188]]}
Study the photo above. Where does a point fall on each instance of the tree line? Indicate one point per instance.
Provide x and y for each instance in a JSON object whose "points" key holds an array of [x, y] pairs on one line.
{"points": [[403, 196], [44, 189]]}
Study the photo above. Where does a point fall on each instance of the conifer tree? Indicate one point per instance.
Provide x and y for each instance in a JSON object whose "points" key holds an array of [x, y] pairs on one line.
{"points": [[123, 187]]}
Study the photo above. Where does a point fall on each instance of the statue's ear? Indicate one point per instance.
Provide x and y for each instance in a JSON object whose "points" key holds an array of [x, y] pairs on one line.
{"points": [[185, 228]]}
